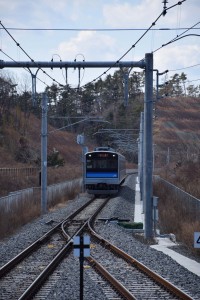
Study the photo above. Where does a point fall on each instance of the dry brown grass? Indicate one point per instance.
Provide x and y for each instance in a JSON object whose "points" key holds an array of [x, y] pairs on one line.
{"points": [[67, 172], [177, 128], [62, 141], [21, 213], [11, 184], [68, 193], [186, 176], [175, 218]]}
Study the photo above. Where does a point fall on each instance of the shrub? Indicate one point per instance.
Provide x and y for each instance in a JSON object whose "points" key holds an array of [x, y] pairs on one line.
{"points": [[54, 159], [128, 225]]}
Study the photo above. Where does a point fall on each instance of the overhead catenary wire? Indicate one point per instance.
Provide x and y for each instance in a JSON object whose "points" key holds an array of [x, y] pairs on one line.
{"points": [[184, 68], [193, 80], [122, 138], [32, 60], [178, 37], [23, 68], [140, 38], [132, 47], [180, 69], [95, 29]]}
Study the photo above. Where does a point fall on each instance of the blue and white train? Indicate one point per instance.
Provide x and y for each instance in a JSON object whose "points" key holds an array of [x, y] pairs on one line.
{"points": [[104, 171]]}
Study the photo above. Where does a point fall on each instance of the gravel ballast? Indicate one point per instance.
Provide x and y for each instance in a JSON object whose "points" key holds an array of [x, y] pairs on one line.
{"points": [[66, 279]]}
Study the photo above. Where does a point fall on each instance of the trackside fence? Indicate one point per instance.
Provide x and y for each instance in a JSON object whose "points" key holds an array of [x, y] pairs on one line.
{"points": [[16, 172], [32, 196], [58, 192], [21, 197], [188, 203]]}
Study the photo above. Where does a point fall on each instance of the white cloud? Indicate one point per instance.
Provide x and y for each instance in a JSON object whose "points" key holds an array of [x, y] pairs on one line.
{"points": [[175, 57], [142, 13], [58, 6], [100, 46], [129, 14], [89, 43], [12, 5]]}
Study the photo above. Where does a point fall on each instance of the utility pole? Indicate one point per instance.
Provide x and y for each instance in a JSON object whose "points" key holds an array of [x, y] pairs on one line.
{"points": [[44, 155], [168, 156], [141, 151], [148, 155]]}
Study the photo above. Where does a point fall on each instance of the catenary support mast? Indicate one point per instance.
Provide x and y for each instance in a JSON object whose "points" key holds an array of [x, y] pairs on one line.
{"points": [[148, 136], [74, 64]]}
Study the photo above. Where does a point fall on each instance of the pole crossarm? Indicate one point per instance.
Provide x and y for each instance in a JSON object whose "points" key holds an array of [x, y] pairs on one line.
{"points": [[74, 64]]}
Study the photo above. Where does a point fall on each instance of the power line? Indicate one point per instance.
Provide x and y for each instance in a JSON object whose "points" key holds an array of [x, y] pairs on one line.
{"points": [[178, 37], [133, 46], [32, 60], [184, 68], [193, 80], [23, 67], [95, 29]]}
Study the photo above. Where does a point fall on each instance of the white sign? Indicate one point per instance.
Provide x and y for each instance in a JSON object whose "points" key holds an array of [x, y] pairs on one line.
{"points": [[196, 239], [80, 139], [85, 149]]}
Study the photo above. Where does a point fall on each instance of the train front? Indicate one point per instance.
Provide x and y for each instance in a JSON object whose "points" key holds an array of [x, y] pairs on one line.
{"points": [[101, 172]]}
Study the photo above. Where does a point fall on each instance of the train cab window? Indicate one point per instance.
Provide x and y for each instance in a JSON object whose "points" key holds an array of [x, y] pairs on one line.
{"points": [[102, 161]]}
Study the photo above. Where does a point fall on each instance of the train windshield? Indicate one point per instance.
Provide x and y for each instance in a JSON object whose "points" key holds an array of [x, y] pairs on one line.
{"points": [[102, 164]]}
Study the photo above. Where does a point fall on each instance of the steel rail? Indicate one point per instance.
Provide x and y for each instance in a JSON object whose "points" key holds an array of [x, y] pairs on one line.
{"points": [[151, 274], [40, 280], [26, 252], [114, 282]]}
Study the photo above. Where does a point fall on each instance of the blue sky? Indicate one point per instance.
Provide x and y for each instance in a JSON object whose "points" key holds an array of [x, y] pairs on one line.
{"points": [[42, 45]]}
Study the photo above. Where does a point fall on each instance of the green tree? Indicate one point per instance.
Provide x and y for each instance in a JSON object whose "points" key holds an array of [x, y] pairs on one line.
{"points": [[175, 86], [193, 91]]}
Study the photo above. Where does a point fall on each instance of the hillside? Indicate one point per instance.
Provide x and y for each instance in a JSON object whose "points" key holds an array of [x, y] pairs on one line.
{"points": [[177, 159], [176, 131], [176, 127], [176, 140], [21, 151]]}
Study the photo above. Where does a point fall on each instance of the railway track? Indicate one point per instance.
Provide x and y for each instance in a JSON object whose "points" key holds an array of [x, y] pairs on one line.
{"points": [[128, 276], [122, 277], [21, 277]]}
